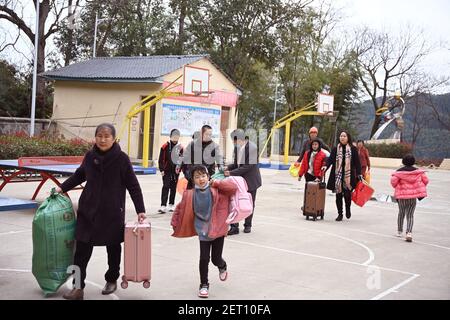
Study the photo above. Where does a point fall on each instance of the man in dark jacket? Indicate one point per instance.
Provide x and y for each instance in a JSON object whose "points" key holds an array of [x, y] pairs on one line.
{"points": [[313, 135], [245, 164], [168, 158], [202, 151]]}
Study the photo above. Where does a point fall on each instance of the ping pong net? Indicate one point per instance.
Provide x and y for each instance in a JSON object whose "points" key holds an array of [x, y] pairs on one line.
{"points": [[49, 161]]}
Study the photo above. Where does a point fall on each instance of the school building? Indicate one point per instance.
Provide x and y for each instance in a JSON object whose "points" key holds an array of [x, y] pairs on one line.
{"points": [[103, 90]]}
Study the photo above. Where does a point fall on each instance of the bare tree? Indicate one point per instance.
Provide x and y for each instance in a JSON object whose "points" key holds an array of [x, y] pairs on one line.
{"points": [[12, 11], [385, 60]]}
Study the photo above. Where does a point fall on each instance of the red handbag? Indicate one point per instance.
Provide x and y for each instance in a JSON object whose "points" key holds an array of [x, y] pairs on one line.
{"points": [[362, 193]]}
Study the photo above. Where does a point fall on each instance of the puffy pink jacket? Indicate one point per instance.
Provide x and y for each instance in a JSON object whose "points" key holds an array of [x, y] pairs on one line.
{"points": [[409, 184]]}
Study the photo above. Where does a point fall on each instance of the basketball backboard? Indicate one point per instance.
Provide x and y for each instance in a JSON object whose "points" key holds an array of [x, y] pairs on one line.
{"points": [[325, 103], [195, 81]]}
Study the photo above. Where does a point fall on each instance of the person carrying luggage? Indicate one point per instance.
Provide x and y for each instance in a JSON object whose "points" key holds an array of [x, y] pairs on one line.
{"points": [[345, 171], [313, 161], [313, 135], [203, 211], [101, 208]]}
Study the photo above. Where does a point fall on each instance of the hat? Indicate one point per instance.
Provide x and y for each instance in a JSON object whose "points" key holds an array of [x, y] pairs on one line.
{"points": [[313, 129], [175, 132]]}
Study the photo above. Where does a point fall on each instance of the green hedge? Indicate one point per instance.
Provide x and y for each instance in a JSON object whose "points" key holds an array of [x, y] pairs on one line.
{"points": [[20, 145], [385, 150]]}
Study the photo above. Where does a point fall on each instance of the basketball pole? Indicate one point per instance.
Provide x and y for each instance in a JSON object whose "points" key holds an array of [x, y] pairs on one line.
{"points": [[146, 138], [33, 95]]}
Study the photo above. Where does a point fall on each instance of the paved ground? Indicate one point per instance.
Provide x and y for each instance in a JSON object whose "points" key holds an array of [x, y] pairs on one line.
{"points": [[285, 256]]}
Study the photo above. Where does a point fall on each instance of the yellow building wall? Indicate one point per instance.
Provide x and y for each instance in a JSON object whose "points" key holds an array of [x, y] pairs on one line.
{"points": [[80, 106]]}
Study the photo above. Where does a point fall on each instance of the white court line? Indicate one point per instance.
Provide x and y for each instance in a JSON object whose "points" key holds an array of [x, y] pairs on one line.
{"points": [[370, 252], [114, 297], [377, 297], [299, 253], [368, 232], [394, 288], [14, 232]]}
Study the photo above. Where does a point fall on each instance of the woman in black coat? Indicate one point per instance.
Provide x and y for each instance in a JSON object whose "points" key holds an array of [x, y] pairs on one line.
{"points": [[101, 208], [345, 171]]}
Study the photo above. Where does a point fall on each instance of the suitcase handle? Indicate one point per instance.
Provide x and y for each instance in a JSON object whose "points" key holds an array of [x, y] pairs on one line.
{"points": [[137, 224]]}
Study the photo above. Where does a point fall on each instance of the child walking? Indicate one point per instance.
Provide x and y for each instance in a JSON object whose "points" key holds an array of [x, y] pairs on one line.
{"points": [[169, 156], [410, 184], [203, 211], [313, 161]]}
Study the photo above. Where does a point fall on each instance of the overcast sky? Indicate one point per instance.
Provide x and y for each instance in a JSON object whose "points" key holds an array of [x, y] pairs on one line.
{"points": [[433, 16]]}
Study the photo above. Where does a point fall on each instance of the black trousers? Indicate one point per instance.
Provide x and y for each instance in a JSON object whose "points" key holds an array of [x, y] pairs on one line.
{"points": [[347, 195], [214, 247], [83, 254], [248, 220], [170, 181]]}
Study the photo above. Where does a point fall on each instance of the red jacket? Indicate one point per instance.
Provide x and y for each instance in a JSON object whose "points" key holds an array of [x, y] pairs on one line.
{"points": [[409, 184], [319, 162], [183, 216], [364, 157]]}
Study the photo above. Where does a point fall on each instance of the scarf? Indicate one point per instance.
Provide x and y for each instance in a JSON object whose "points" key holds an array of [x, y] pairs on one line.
{"points": [[346, 157], [202, 211], [311, 162]]}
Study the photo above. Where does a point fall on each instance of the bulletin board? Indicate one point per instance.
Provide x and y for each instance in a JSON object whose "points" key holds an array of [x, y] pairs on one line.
{"points": [[189, 119]]}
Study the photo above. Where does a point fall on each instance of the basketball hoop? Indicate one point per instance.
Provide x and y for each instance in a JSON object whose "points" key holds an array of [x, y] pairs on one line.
{"points": [[200, 93]]}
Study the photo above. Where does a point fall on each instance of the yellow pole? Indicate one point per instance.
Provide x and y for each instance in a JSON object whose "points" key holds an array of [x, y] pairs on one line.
{"points": [[146, 137], [129, 136], [287, 140]]}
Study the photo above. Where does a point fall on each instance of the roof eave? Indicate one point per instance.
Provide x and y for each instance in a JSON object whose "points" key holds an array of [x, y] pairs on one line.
{"points": [[103, 80]]}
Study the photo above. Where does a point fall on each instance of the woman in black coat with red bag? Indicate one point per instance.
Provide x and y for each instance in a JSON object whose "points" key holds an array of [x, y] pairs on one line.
{"points": [[101, 208], [345, 172]]}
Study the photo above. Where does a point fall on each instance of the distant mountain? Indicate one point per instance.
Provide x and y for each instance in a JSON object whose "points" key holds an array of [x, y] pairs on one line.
{"points": [[433, 141]]}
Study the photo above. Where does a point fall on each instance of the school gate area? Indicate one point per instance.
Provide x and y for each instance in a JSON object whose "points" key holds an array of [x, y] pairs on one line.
{"points": [[285, 256]]}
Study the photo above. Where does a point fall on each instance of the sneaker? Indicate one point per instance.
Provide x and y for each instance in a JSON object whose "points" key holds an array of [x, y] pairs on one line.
{"points": [[409, 237], [171, 208], [203, 292], [399, 234], [223, 274], [163, 209], [233, 230]]}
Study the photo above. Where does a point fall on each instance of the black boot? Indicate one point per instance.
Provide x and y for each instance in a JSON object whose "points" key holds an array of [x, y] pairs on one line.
{"points": [[348, 214], [339, 217]]}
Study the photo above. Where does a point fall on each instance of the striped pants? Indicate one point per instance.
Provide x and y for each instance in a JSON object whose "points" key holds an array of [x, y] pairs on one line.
{"points": [[406, 207]]}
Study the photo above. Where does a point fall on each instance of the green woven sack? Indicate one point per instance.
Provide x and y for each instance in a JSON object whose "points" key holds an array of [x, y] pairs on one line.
{"points": [[53, 242], [218, 176]]}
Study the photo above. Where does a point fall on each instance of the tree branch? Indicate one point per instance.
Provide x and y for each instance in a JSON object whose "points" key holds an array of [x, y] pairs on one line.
{"points": [[12, 17]]}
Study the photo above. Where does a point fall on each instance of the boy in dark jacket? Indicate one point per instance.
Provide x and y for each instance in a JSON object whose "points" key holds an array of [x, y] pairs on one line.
{"points": [[169, 156]]}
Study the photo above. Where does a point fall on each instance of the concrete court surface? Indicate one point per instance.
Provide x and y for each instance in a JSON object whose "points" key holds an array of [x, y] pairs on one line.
{"points": [[285, 256]]}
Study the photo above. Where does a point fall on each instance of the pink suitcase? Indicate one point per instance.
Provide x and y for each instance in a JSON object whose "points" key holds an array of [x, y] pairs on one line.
{"points": [[137, 254]]}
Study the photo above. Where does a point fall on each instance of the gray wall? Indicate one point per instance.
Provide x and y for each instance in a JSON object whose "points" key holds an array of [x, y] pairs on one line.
{"points": [[9, 125]]}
